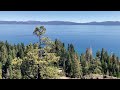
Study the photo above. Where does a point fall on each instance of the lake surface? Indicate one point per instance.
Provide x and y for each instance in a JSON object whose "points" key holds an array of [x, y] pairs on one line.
{"points": [[81, 36]]}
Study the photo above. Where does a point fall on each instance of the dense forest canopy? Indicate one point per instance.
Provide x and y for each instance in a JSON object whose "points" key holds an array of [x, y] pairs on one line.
{"points": [[45, 59]]}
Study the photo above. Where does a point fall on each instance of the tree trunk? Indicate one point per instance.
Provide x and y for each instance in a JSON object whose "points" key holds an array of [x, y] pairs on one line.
{"points": [[39, 42], [39, 77]]}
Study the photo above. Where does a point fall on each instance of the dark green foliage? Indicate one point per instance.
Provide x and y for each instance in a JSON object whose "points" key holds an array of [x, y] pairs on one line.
{"points": [[98, 54], [76, 71], [72, 65], [84, 64], [68, 59], [68, 65], [16, 61], [102, 64]]}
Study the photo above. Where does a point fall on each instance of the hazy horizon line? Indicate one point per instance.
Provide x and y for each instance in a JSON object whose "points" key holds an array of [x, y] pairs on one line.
{"points": [[58, 20]]}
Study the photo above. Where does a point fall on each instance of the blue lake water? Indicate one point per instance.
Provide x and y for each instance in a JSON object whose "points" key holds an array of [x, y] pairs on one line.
{"points": [[81, 36]]}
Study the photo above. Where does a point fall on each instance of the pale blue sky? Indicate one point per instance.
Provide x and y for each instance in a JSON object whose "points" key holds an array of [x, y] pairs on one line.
{"points": [[74, 16]]}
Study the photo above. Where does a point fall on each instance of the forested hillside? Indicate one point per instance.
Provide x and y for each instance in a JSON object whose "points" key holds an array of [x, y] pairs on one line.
{"points": [[44, 60]]}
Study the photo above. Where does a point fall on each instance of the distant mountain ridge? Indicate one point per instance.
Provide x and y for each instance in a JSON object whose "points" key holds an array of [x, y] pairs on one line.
{"points": [[61, 22]]}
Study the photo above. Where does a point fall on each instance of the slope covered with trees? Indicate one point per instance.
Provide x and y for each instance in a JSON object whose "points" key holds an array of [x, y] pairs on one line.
{"points": [[44, 59]]}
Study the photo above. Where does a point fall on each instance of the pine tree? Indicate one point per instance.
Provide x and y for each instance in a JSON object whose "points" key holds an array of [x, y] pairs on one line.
{"points": [[71, 48], [98, 54], [16, 70], [13, 53], [84, 64], [0, 70], [76, 67], [102, 54], [3, 56], [68, 65], [39, 31]]}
